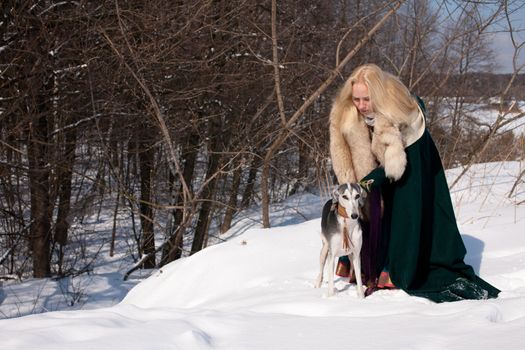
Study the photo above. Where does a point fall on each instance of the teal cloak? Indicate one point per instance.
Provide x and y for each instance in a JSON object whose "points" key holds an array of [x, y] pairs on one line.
{"points": [[423, 249]]}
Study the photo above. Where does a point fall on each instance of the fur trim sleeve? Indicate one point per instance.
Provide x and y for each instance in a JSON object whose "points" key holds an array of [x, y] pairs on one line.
{"points": [[341, 156], [350, 146], [388, 147]]}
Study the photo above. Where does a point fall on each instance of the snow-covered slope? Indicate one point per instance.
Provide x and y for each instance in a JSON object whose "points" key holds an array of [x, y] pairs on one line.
{"points": [[255, 291]]}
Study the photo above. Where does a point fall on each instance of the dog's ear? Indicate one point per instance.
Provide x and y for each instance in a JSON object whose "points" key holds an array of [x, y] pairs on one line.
{"points": [[335, 198], [362, 198], [361, 192]]}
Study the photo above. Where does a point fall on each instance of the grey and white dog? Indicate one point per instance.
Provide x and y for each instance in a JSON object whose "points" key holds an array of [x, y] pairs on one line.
{"points": [[341, 233]]}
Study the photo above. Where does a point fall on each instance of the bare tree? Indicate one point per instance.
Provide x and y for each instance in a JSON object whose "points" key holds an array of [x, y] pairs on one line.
{"points": [[175, 115]]}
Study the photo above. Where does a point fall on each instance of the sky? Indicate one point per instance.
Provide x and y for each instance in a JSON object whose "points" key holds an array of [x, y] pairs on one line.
{"points": [[502, 45], [255, 290]]}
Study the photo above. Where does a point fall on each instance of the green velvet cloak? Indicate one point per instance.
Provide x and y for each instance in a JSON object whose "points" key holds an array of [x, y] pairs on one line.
{"points": [[423, 250]]}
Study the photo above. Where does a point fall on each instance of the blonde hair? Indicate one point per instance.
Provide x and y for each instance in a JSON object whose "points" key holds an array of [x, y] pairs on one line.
{"points": [[389, 97]]}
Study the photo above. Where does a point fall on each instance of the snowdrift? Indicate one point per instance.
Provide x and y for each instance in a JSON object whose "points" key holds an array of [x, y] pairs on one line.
{"points": [[255, 291]]}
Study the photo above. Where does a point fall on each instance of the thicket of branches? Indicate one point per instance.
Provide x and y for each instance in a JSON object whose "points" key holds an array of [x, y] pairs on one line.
{"points": [[179, 114]]}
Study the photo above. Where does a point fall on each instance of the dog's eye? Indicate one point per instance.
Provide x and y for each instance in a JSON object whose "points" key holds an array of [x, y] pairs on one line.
{"points": [[345, 196], [357, 196]]}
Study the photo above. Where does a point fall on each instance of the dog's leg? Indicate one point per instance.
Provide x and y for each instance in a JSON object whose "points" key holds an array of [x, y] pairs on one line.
{"points": [[322, 262], [356, 260], [332, 263]]}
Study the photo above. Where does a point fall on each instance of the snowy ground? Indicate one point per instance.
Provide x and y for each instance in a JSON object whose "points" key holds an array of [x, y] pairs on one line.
{"points": [[485, 115], [255, 291]]}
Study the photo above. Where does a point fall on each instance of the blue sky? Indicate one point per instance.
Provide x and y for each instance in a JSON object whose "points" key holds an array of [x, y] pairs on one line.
{"points": [[502, 44]]}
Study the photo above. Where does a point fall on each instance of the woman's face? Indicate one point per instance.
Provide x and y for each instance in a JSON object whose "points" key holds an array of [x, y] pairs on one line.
{"points": [[361, 98]]}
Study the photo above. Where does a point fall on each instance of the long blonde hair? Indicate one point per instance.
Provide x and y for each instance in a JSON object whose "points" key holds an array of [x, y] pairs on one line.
{"points": [[389, 97]]}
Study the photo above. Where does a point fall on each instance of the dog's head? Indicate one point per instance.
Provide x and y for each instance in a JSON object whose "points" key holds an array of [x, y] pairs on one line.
{"points": [[351, 196]]}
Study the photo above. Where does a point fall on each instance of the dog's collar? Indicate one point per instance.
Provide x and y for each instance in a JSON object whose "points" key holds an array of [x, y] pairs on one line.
{"points": [[342, 211]]}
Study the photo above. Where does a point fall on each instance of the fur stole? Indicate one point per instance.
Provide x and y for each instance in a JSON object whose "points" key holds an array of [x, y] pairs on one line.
{"points": [[356, 150]]}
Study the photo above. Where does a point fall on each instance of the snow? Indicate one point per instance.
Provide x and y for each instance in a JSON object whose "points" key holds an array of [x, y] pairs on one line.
{"points": [[255, 290], [485, 114]]}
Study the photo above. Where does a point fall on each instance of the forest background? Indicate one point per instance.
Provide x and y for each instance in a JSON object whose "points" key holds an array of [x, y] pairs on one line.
{"points": [[175, 115]]}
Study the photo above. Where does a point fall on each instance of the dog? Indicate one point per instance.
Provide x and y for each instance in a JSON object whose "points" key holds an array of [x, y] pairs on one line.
{"points": [[341, 233]]}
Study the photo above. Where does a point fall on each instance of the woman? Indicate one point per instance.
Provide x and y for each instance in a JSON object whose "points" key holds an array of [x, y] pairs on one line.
{"points": [[378, 138]]}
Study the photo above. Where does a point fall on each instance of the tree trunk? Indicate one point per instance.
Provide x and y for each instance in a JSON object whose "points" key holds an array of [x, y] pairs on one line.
{"points": [[249, 190], [146, 158], [231, 209], [208, 191], [302, 172], [39, 173], [204, 214], [64, 193], [114, 228], [173, 249]]}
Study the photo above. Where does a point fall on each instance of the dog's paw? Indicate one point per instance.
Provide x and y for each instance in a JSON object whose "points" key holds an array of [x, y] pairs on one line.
{"points": [[318, 282], [360, 293], [329, 294]]}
